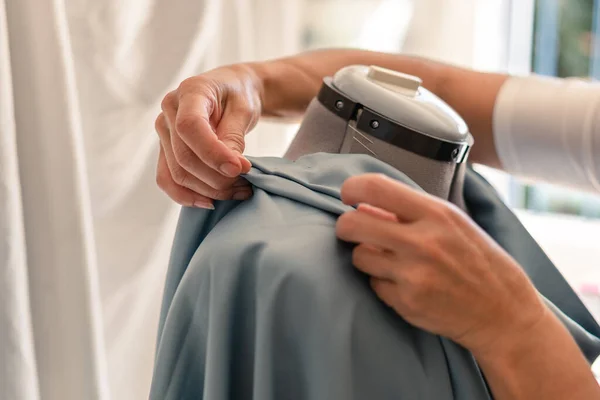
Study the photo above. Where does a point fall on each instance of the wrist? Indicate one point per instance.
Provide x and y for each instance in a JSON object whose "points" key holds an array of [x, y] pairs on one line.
{"points": [[512, 343], [544, 362], [514, 315]]}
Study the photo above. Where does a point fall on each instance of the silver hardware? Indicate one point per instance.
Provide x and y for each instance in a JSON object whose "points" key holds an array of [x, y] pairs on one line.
{"points": [[374, 124], [357, 132], [339, 104], [364, 145]]}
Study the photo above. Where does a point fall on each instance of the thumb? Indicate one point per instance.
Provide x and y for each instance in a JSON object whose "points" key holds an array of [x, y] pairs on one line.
{"points": [[232, 130], [235, 141]]}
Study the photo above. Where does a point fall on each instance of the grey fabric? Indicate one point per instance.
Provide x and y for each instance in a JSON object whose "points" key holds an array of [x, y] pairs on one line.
{"points": [[262, 302], [323, 131]]}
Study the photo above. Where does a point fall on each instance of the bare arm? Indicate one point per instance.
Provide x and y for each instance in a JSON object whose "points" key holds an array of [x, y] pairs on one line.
{"points": [[545, 363], [288, 85], [202, 128], [203, 123], [489, 305]]}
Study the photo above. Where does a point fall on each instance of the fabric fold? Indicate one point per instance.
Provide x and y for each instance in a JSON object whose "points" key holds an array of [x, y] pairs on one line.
{"points": [[262, 300]]}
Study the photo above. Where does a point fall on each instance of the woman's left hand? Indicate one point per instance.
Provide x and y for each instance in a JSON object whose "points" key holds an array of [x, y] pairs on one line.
{"points": [[435, 267]]}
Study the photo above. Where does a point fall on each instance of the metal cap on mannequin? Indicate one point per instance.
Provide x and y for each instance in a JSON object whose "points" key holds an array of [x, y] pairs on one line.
{"points": [[390, 116]]}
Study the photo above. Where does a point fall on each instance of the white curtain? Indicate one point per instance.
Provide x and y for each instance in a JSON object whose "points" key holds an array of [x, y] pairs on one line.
{"points": [[84, 232], [443, 30]]}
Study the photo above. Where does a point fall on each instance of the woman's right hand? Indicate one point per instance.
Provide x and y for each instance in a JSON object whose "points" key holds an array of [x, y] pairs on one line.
{"points": [[202, 128]]}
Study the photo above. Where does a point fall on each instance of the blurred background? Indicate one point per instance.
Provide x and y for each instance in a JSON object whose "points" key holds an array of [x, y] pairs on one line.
{"points": [[85, 233], [547, 37]]}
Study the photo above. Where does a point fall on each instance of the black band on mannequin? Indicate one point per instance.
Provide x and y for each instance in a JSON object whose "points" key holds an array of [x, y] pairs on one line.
{"points": [[383, 128]]}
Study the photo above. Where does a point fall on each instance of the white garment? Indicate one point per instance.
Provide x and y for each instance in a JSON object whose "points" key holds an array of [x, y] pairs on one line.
{"points": [[84, 231], [549, 129]]}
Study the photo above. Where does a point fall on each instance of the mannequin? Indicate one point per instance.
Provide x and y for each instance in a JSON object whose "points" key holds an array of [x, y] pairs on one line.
{"points": [[388, 115], [261, 300]]}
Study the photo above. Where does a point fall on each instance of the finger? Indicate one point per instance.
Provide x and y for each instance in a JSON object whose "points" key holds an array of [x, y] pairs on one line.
{"points": [[187, 180], [383, 192], [161, 126], [246, 164], [374, 262], [210, 178], [179, 194], [169, 106], [217, 186], [182, 177], [386, 290], [236, 122], [377, 212], [360, 227], [192, 124]]}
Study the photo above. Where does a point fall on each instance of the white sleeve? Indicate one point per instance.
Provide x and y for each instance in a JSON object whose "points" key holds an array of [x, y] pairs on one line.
{"points": [[549, 129]]}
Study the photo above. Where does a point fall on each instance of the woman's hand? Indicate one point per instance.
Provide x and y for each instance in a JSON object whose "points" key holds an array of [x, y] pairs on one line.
{"points": [[201, 128], [435, 267], [442, 273]]}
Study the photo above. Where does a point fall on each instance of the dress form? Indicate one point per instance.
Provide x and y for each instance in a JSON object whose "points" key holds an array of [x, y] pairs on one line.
{"points": [[390, 116]]}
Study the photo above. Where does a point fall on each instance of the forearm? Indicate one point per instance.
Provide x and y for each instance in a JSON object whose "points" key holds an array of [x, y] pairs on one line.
{"points": [[545, 364], [289, 84]]}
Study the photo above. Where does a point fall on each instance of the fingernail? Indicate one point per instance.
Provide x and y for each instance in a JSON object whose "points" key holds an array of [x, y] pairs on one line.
{"points": [[246, 164], [243, 194], [229, 169], [204, 204]]}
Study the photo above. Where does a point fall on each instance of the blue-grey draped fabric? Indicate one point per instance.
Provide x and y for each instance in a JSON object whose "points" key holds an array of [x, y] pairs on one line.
{"points": [[262, 302]]}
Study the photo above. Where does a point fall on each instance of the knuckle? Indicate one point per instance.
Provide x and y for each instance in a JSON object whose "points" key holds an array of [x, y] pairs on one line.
{"points": [[452, 211], [159, 123], [186, 124], [189, 83], [346, 224], [180, 176], [210, 155], [403, 239], [447, 212], [431, 244], [184, 157], [437, 252], [374, 182], [428, 236], [162, 178], [236, 140], [400, 238], [199, 85], [359, 255], [359, 185], [246, 113], [168, 101]]}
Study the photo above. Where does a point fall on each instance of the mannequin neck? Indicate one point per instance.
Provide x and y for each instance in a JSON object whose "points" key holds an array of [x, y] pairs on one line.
{"points": [[322, 131]]}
